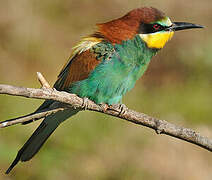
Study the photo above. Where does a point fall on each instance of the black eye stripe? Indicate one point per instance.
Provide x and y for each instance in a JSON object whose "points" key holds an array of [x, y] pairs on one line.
{"points": [[150, 28]]}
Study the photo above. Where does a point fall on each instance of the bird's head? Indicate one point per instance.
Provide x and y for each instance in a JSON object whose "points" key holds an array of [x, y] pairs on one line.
{"points": [[152, 25]]}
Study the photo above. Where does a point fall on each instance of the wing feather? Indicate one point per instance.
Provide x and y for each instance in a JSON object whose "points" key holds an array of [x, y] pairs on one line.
{"points": [[78, 68], [85, 57]]}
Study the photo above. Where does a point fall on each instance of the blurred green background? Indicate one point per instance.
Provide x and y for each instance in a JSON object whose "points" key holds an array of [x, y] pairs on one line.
{"points": [[38, 35]]}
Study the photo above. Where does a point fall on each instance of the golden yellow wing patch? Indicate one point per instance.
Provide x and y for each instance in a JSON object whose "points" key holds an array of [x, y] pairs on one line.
{"points": [[85, 44]]}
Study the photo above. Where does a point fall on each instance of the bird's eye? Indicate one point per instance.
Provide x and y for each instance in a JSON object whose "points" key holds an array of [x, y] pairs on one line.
{"points": [[150, 28], [156, 27]]}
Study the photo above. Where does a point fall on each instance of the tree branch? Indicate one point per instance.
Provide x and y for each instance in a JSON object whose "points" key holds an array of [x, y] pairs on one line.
{"points": [[30, 117], [160, 126]]}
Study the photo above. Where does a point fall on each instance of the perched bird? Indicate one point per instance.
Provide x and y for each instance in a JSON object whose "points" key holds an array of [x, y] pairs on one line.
{"points": [[106, 65]]}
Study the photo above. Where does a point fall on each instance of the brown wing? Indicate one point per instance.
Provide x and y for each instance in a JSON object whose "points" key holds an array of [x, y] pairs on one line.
{"points": [[77, 69]]}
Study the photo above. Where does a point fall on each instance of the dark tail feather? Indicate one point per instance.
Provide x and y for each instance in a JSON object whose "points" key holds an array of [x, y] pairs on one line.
{"points": [[40, 135], [21, 151]]}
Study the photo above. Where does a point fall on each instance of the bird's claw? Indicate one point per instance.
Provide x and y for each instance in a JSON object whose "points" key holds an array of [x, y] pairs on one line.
{"points": [[85, 103], [104, 107], [122, 108]]}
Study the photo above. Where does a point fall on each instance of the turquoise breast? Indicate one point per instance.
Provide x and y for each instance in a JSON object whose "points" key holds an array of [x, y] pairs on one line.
{"points": [[117, 73]]}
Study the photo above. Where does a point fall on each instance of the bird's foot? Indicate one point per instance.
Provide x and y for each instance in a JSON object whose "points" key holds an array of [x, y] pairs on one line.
{"points": [[104, 107], [85, 103], [121, 108]]}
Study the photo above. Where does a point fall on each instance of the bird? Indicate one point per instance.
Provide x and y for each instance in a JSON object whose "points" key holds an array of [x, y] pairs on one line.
{"points": [[105, 65]]}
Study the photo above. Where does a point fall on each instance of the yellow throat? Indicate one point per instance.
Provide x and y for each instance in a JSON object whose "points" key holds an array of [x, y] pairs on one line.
{"points": [[158, 39]]}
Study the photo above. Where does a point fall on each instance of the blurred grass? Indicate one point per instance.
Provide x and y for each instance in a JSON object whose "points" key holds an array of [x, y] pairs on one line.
{"points": [[38, 35]]}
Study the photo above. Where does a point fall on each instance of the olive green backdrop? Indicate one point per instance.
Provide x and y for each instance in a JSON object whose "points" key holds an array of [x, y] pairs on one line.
{"points": [[38, 35]]}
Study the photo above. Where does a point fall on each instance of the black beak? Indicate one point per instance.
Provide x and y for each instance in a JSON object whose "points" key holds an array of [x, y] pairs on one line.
{"points": [[177, 26]]}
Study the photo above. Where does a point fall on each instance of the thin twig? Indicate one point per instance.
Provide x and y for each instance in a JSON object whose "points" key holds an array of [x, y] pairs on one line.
{"points": [[43, 81], [29, 117]]}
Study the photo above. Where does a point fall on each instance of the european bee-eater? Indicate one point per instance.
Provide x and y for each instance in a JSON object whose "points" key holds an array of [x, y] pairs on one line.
{"points": [[106, 65]]}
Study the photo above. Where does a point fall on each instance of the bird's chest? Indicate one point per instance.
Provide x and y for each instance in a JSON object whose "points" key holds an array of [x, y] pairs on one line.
{"points": [[120, 79]]}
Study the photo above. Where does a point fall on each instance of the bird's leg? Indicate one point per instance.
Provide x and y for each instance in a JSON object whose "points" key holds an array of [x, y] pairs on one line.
{"points": [[122, 108], [85, 103], [104, 107]]}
